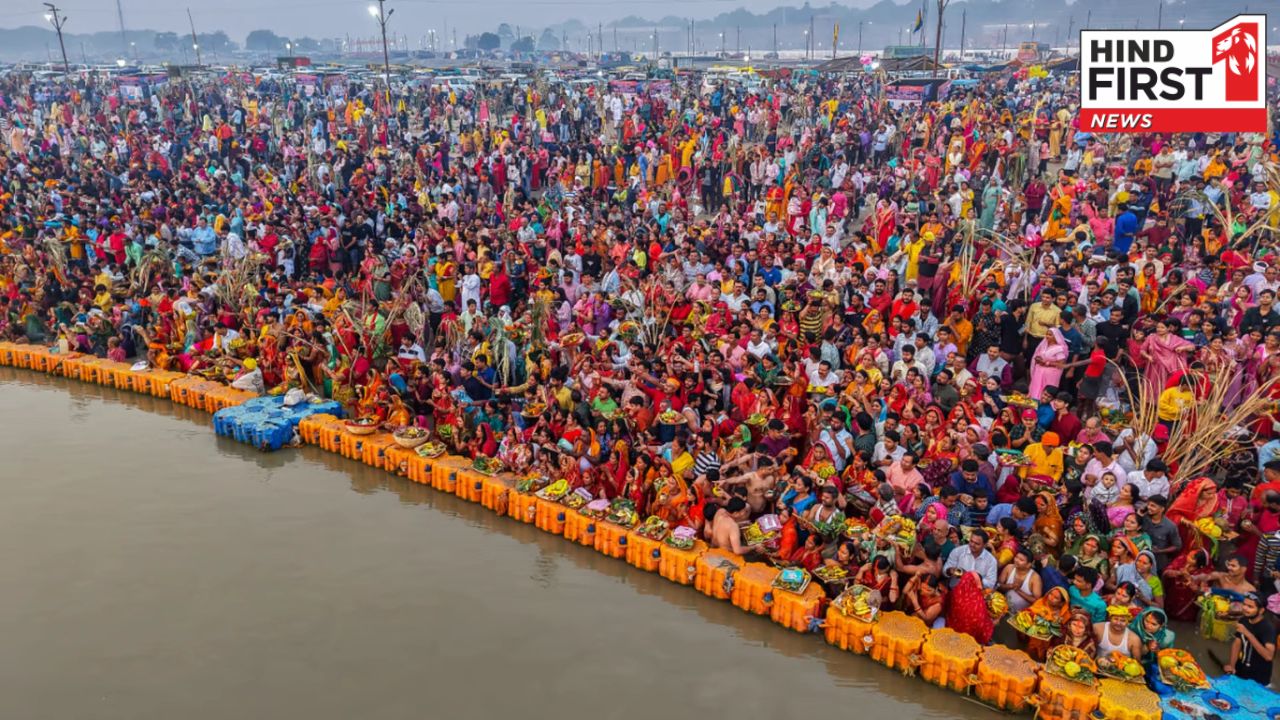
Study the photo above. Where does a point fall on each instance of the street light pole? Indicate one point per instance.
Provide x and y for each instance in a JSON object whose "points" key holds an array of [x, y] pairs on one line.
{"points": [[54, 16], [382, 15]]}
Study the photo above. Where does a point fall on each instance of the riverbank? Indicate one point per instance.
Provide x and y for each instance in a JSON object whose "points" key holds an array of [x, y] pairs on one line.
{"points": [[1003, 678], [300, 583]]}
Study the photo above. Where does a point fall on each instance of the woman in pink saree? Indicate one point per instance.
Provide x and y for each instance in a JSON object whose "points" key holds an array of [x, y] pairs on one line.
{"points": [[1046, 364], [1165, 354]]}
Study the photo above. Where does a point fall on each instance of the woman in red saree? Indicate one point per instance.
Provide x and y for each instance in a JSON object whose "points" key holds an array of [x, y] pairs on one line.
{"points": [[967, 609], [1198, 500], [1054, 607], [1184, 583]]}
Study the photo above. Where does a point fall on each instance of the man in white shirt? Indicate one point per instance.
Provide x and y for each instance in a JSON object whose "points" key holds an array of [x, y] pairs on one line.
{"points": [[899, 372], [822, 376], [757, 345], [1151, 480], [1103, 462], [972, 557], [1134, 451], [410, 349]]}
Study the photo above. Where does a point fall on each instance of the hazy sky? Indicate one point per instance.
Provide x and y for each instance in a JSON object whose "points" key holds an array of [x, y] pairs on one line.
{"points": [[335, 18]]}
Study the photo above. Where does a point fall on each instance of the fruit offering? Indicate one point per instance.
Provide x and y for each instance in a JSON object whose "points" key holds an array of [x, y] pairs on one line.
{"points": [[576, 499], [1181, 671], [431, 449], [622, 512], [654, 528], [857, 602], [1034, 626], [997, 604], [1120, 666], [1072, 663], [487, 465], [555, 490], [792, 580], [831, 573], [682, 538], [753, 535], [530, 484], [1209, 528], [899, 530], [855, 528]]}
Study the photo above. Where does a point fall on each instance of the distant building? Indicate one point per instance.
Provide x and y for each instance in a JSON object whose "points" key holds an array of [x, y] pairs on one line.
{"points": [[906, 51]]}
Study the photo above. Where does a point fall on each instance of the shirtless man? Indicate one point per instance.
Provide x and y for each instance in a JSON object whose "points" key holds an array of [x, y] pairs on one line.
{"points": [[826, 507], [757, 484], [1232, 577], [725, 532]]}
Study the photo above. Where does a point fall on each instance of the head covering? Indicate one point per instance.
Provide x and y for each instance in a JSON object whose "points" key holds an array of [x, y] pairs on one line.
{"points": [[1028, 414], [967, 609], [1050, 439], [1118, 611], [1162, 637], [250, 364]]}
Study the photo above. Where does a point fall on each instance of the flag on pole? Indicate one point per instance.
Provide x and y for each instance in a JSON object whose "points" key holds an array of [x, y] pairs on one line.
{"points": [[835, 35], [919, 22]]}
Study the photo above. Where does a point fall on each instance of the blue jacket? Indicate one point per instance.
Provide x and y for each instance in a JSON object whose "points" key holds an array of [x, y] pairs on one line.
{"points": [[1126, 229]]}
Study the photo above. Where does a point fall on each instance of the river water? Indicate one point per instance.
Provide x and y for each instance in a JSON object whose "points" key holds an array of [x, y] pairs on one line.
{"points": [[154, 570]]}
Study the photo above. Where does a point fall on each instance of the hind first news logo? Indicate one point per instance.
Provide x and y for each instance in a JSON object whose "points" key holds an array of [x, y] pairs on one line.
{"points": [[1175, 81]]}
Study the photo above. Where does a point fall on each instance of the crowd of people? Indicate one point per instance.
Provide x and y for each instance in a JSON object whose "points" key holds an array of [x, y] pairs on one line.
{"points": [[800, 302]]}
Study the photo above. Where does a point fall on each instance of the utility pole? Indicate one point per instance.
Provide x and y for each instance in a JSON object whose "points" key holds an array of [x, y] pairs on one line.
{"points": [[963, 18], [1004, 40], [194, 45], [382, 15], [124, 40], [1071, 23], [775, 39], [600, 41], [813, 39], [860, 22], [1088, 20], [937, 51], [56, 17], [655, 44], [737, 46], [1160, 16]]}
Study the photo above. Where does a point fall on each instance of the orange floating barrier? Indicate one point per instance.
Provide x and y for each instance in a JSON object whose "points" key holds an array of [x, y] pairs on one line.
{"points": [[444, 472], [644, 553], [40, 359], [753, 588], [1063, 699], [713, 568], [522, 506], [8, 354], [680, 566], [949, 658], [611, 539], [579, 528], [373, 451], [23, 355], [160, 382], [419, 469], [1120, 700], [396, 460], [69, 365], [310, 428], [798, 610], [1006, 678], [847, 632], [470, 486], [896, 639], [549, 516], [494, 489]]}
